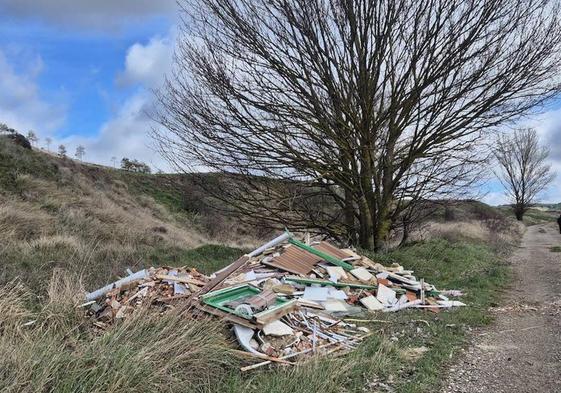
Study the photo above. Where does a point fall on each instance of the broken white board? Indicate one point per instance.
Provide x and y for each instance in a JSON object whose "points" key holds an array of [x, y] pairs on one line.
{"points": [[317, 294], [179, 288], [385, 295], [450, 303], [398, 306], [277, 328], [337, 272], [335, 305], [337, 294], [371, 303], [362, 274], [244, 336], [250, 276]]}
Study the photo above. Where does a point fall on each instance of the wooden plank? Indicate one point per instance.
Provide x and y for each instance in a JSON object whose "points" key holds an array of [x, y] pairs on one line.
{"points": [[185, 280], [265, 317], [223, 275], [264, 357], [247, 368]]}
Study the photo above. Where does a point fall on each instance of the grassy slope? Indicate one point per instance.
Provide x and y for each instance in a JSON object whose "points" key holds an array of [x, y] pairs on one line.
{"points": [[95, 222], [536, 216], [60, 214]]}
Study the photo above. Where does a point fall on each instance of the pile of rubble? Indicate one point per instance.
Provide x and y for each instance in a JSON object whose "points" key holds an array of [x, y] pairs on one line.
{"points": [[286, 299]]}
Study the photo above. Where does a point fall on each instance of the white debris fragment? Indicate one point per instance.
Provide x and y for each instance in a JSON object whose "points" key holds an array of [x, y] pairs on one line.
{"points": [[362, 274], [386, 296], [371, 303], [277, 328]]}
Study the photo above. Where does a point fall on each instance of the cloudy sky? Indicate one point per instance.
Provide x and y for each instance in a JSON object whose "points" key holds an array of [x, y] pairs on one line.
{"points": [[82, 72]]}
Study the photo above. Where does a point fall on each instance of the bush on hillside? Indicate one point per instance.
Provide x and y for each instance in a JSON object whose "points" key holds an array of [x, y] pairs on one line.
{"points": [[135, 166]]}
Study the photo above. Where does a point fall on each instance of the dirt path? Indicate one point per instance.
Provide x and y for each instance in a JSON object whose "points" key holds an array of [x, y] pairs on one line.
{"points": [[521, 351]]}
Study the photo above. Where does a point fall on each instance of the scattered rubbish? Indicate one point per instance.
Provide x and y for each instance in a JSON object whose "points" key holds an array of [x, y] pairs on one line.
{"points": [[285, 300]]}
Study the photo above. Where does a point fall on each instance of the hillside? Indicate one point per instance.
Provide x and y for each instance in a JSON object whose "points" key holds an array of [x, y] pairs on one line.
{"points": [[68, 226], [58, 213]]}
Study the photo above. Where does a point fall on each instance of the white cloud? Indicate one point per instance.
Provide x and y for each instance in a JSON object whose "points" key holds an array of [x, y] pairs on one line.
{"points": [[99, 14], [21, 105], [147, 64], [126, 133], [495, 198]]}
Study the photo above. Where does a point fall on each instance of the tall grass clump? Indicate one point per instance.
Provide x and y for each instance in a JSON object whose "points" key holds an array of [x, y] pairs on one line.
{"points": [[60, 352]]}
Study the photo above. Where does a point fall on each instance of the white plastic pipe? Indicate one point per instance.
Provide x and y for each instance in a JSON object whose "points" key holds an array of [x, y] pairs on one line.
{"points": [[117, 284], [270, 244]]}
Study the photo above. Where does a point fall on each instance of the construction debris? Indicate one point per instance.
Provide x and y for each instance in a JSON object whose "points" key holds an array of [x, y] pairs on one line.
{"points": [[285, 300]]}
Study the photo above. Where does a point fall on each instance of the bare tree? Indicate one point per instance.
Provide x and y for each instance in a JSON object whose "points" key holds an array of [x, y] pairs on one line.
{"points": [[336, 115], [62, 151], [80, 152], [48, 141], [114, 161], [524, 171], [32, 137]]}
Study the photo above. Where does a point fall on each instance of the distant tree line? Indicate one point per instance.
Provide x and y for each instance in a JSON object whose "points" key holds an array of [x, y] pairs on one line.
{"points": [[31, 137]]}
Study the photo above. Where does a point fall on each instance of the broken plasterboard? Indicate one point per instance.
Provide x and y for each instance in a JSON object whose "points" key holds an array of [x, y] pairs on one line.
{"points": [[317, 294], [336, 271], [362, 274], [337, 294], [277, 328], [386, 296], [335, 305], [371, 303]]}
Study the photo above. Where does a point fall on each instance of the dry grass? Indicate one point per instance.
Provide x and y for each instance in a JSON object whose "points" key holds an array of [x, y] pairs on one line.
{"points": [[60, 214], [495, 232], [145, 353]]}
